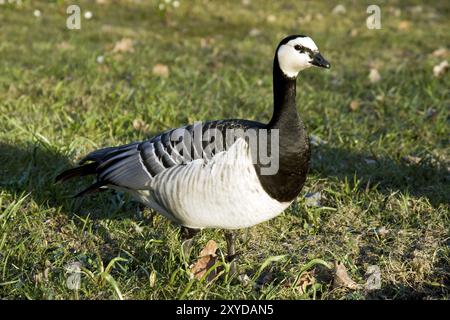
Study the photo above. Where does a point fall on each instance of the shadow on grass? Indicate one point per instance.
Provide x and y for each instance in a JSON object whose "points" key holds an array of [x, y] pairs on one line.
{"points": [[426, 178], [31, 169]]}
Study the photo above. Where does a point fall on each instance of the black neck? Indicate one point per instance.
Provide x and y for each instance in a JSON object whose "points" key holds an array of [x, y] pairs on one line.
{"points": [[284, 91], [286, 184]]}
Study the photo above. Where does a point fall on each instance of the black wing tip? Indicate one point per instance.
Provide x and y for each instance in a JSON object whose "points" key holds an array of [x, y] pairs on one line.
{"points": [[93, 188], [65, 175], [84, 170]]}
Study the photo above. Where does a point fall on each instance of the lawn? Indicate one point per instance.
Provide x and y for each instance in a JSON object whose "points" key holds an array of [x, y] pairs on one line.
{"points": [[379, 178]]}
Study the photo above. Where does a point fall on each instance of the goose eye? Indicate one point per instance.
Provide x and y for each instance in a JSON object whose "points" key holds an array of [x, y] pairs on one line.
{"points": [[299, 48]]}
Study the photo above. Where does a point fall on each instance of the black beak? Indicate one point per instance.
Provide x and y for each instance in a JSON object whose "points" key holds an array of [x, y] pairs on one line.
{"points": [[319, 61]]}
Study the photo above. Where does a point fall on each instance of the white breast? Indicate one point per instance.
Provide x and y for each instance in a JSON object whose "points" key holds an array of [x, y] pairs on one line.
{"points": [[224, 192]]}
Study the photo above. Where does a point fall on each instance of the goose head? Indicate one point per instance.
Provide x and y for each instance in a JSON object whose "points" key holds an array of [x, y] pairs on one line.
{"points": [[296, 53]]}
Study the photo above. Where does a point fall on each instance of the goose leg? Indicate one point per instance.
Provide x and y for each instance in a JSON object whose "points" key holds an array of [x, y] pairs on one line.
{"points": [[231, 251], [187, 237]]}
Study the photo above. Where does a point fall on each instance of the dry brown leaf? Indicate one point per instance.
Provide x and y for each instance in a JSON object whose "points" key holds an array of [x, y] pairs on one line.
{"points": [[412, 159], [305, 19], [124, 45], [254, 32], [244, 279], [209, 250], [152, 279], [207, 258], [374, 75], [339, 9], [341, 277], [354, 105], [140, 125], [382, 231], [404, 25], [161, 70], [65, 46], [440, 69], [271, 18], [305, 280], [440, 53], [206, 42]]}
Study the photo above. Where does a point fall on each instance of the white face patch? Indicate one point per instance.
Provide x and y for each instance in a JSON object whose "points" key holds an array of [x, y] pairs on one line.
{"points": [[293, 61]]}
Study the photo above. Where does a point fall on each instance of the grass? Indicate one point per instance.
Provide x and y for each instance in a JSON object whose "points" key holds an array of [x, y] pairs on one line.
{"points": [[384, 166]]}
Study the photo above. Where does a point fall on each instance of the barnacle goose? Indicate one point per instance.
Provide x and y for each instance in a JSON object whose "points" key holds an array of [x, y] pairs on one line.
{"points": [[225, 187]]}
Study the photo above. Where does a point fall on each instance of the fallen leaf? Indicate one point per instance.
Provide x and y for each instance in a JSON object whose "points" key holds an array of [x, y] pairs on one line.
{"points": [[65, 46], [382, 231], [374, 75], [254, 32], [354, 33], [124, 45], [209, 250], [412, 159], [306, 280], [305, 19], [396, 11], [416, 9], [152, 279], [206, 42], [244, 279], [373, 278], [161, 70], [404, 25], [440, 53], [339, 9], [354, 105], [140, 125], [342, 279], [440, 69], [207, 258], [312, 199], [380, 97], [271, 18]]}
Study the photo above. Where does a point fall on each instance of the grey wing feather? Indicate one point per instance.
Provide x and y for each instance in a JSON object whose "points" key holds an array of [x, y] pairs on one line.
{"points": [[135, 165]]}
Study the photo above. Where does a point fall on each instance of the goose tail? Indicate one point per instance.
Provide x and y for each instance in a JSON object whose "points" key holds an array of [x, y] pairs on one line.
{"points": [[113, 160], [80, 171]]}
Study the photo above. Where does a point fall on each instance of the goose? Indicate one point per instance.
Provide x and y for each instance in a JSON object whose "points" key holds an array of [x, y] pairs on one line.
{"points": [[220, 181]]}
